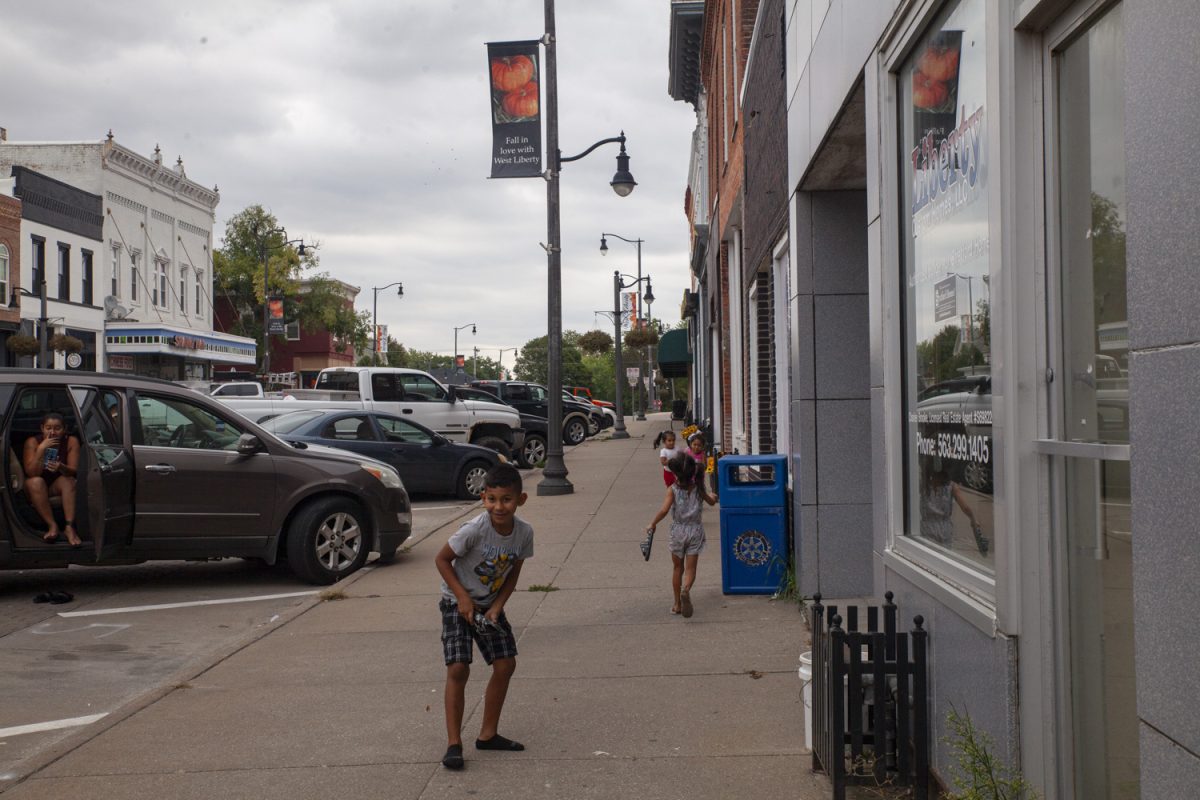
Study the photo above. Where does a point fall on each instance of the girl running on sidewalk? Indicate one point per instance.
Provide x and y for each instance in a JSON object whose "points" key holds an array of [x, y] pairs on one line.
{"points": [[683, 502], [666, 440]]}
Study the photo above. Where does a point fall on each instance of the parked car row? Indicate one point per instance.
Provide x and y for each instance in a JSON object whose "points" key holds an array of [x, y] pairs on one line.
{"points": [[580, 419]]}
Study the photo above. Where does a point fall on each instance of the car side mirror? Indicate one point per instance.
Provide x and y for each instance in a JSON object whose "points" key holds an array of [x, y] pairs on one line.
{"points": [[248, 444], [451, 393], [439, 440]]}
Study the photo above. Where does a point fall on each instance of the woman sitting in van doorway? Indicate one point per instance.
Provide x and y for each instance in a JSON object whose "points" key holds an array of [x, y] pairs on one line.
{"points": [[51, 463]]}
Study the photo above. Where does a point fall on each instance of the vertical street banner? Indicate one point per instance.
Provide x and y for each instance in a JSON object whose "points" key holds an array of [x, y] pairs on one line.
{"points": [[275, 324], [381, 339], [516, 109]]}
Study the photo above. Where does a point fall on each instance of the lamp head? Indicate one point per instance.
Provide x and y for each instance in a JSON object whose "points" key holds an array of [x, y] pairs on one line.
{"points": [[472, 329], [623, 182], [400, 291], [649, 295], [303, 250], [603, 246]]}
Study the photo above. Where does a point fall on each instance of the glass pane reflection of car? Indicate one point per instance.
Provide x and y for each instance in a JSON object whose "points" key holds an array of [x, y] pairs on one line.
{"points": [[426, 461]]}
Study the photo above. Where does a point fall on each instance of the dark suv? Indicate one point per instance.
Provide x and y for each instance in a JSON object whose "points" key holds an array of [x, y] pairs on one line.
{"points": [[165, 473], [531, 398]]}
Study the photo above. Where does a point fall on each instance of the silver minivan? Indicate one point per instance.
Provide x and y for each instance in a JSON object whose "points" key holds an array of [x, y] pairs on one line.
{"points": [[165, 473]]}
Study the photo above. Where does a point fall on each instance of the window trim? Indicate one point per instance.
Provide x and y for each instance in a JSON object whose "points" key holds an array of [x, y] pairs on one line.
{"points": [[37, 262], [87, 277], [64, 272], [974, 595], [5, 275]]}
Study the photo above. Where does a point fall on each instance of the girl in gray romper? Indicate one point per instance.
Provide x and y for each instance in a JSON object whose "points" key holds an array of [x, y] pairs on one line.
{"points": [[683, 503]]}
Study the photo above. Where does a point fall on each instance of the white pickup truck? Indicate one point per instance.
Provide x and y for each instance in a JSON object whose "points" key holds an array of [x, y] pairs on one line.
{"points": [[408, 393]]}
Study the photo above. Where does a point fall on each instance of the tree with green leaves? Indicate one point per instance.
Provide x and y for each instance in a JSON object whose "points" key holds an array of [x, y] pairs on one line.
{"points": [[313, 299], [533, 361]]}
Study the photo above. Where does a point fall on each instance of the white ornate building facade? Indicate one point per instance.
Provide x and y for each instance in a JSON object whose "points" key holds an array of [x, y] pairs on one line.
{"points": [[155, 271]]}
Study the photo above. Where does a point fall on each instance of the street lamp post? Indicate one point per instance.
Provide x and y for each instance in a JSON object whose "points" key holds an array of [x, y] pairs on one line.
{"points": [[618, 318], [554, 479], [650, 391], [263, 249], [639, 398], [637, 319], [375, 317], [454, 356], [500, 361]]}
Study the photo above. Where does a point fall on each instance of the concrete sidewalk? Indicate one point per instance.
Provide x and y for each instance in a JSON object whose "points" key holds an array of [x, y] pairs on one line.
{"points": [[614, 697]]}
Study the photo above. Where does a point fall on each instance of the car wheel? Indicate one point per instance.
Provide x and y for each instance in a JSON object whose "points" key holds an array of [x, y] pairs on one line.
{"points": [[327, 540], [533, 452], [494, 443], [977, 476], [470, 480], [592, 425], [575, 431]]}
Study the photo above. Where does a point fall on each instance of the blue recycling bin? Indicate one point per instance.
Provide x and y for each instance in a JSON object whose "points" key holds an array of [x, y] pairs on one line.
{"points": [[754, 540]]}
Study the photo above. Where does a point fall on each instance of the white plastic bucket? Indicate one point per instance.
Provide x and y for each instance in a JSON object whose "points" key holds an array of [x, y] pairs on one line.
{"points": [[806, 690]]}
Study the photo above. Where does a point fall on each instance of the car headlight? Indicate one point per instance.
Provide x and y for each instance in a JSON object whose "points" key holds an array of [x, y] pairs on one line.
{"points": [[385, 474]]}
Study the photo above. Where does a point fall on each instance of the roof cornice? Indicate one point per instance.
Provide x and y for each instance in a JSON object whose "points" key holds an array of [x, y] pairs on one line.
{"points": [[122, 159]]}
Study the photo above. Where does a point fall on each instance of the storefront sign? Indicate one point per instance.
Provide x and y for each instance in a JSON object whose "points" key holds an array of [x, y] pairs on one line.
{"points": [[516, 109], [123, 363], [187, 342]]}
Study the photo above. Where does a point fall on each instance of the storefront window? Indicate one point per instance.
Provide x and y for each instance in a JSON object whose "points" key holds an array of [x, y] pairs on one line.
{"points": [[949, 453]]}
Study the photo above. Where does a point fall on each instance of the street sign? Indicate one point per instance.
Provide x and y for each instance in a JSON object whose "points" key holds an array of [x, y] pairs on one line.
{"points": [[631, 374]]}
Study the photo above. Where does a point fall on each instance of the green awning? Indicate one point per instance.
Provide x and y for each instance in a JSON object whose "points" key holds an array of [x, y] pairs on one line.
{"points": [[674, 359]]}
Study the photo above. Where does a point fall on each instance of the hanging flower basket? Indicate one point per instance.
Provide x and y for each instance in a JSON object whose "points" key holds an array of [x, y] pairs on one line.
{"points": [[23, 345], [65, 344], [641, 337]]}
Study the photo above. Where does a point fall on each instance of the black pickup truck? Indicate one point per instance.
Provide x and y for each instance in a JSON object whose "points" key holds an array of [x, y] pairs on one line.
{"points": [[532, 398]]}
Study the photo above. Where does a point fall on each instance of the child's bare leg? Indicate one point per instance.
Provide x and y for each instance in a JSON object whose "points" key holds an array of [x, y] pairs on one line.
{"points": [[456, 692], [689, 570], [493, 698], [676, 579]]}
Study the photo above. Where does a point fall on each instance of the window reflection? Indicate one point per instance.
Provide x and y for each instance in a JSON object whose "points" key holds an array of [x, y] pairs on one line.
{"points": [[947, 289]]}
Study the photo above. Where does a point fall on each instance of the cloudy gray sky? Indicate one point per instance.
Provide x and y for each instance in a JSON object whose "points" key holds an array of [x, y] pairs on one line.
{"points": [[365, 125]]}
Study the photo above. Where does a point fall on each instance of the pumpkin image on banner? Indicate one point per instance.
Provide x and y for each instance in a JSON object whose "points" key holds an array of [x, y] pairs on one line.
{"points": [[522, 103], [511, 72]]}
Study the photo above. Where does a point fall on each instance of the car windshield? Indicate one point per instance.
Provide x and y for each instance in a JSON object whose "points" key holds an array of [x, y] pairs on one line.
{"points": [[287, 423]]}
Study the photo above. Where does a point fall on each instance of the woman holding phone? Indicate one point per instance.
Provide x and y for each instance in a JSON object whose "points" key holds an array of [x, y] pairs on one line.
{"points": [[51, 463]]}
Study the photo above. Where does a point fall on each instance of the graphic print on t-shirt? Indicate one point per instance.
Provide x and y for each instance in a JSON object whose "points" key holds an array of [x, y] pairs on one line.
{"points": [[494, 568]]}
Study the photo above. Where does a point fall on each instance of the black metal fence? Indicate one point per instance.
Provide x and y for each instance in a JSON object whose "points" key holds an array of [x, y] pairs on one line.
{"points": [[870, 704]]}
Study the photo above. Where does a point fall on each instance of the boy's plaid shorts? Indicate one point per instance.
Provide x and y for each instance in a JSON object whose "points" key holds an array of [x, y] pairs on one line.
{"points": [[457, 636]]}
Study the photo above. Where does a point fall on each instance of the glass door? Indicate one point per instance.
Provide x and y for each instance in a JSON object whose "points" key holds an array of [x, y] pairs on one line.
{"points": [[1089, 447]]}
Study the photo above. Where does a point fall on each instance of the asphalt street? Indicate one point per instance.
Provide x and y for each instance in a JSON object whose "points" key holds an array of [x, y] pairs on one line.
{"points": [[131, 630]]}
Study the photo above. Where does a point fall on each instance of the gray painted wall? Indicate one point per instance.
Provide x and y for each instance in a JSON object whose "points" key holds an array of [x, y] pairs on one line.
{"points": [[1163, 250], [971, 672], [831, 406]]}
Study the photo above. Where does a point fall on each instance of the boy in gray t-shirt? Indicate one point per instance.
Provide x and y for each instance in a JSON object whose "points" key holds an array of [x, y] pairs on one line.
{"points": [[480, 565]]}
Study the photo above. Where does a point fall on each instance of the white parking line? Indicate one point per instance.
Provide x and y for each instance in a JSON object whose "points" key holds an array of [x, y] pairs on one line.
{"points": [[52, 725], [160, 606]]}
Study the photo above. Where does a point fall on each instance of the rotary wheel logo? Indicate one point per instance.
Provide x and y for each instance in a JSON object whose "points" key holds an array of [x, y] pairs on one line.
{"points": [[752, 548]]}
